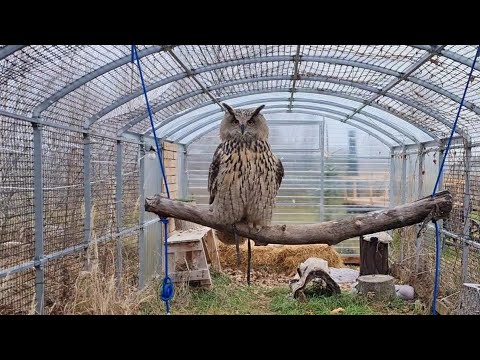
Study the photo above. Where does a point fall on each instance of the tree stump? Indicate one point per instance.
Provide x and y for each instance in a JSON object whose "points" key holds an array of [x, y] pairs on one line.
{"points": [[374, 253], [469, 300], [380, 287]]}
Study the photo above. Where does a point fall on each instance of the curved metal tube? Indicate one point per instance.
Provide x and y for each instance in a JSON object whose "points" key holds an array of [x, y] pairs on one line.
{"points": [[307, 100], [306, 107], [282, 90], [309, 78], [322, 59], [300, 111]]}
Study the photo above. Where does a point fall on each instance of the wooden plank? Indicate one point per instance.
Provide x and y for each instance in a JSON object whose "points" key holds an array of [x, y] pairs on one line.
{"points": [[183, 247], [212, 250], [191, 275], [205, 250], [200, 260], [351, 260], [443, 308], [171, 262], [188, 235]]}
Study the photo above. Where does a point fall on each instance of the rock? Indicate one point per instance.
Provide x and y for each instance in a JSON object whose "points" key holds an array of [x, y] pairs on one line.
{"points": [[405, 292]]}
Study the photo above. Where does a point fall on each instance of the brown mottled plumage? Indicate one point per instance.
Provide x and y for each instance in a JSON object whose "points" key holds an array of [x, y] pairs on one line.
{"points": [[244, 175]]}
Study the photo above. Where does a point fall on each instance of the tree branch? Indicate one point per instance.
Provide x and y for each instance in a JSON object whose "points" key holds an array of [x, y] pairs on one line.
{"points": [[331, 232]]}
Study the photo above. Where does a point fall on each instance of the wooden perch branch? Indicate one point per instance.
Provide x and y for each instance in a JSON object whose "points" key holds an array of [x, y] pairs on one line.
{"points": [[331, 232]]}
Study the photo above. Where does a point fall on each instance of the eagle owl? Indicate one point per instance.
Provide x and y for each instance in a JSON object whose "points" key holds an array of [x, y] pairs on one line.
{"points": [[244, 175]]}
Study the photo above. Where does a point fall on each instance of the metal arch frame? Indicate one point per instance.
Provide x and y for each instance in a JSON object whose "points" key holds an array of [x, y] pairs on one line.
{"points": [[449, 55], [355, 84], [286, 110], [313, 101], [9, 50], [306, 91], [212, 67], [79, 82], [300, 111], [398, 75], [37, 111], [306, 107]]}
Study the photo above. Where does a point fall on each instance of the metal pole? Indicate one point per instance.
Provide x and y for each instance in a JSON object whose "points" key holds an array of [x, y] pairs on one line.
{"points": [[404, 191], [38, 205], [392, 178], [466, 211], [182, 172], [404, 175], [141, 234], [118, 205], [87, 192], [440, 185], [419, 241], [322, 171], [160, 257]]}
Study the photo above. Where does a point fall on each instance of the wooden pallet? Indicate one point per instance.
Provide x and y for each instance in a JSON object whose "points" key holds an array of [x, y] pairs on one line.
{"points": [[189, 254]]}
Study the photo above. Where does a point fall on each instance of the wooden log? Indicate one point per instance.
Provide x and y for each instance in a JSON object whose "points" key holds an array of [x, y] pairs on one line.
{"points": [[313, 269], [331, 232], [379, 287], [469, 300], [373, 255]]}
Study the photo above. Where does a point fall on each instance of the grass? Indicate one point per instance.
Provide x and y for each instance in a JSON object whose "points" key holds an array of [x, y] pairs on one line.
{"points": [[227, 297]]}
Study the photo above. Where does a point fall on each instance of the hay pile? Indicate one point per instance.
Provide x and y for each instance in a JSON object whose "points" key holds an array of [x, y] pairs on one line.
{"points": [[279, 259]]}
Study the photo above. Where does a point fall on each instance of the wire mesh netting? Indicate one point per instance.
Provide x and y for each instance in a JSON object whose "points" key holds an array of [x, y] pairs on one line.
{"points": [[459, 259], [17, 293], [16, 193], [63, 185], [90, 103]]}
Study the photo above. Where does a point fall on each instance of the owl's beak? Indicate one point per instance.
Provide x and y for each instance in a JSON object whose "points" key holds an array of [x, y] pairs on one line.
{"points": [[242, 127]]}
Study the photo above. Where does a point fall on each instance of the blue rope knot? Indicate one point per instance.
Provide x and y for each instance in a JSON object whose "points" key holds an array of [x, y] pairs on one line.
{"points": [[168, 289], [164, 221]]}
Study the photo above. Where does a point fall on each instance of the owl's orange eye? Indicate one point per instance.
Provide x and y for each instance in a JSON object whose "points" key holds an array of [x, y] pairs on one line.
{"points": [[250, 122], [234, 121]]}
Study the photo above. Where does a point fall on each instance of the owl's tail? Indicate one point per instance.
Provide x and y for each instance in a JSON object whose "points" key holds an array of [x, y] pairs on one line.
{"points": [[227, 238]]}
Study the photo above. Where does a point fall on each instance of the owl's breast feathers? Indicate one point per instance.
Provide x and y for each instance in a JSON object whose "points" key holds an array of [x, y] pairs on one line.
{"points": [[249, 162]]}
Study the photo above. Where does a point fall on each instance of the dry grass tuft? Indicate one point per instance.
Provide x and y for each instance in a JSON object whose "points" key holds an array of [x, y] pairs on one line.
{"points": [[96, 293]]}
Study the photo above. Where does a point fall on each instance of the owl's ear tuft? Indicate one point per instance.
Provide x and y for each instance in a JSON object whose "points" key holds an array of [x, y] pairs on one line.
{"points": [[257, 110], [228, 108]]}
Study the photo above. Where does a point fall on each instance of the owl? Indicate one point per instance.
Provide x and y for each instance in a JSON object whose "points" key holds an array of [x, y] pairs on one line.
{"points": [[245, 175]]}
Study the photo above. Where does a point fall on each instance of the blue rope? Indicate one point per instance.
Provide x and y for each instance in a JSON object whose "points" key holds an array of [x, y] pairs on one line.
{"points": [[150, 115], [168, 289], [437, 231]]}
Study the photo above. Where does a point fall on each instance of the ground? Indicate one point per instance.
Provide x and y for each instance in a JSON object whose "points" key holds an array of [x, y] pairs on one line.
{"points": [[230, 295]]}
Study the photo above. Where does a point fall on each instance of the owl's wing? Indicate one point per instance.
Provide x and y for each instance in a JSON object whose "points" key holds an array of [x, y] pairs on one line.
{"points": [[213, 173], [279, 172]]}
